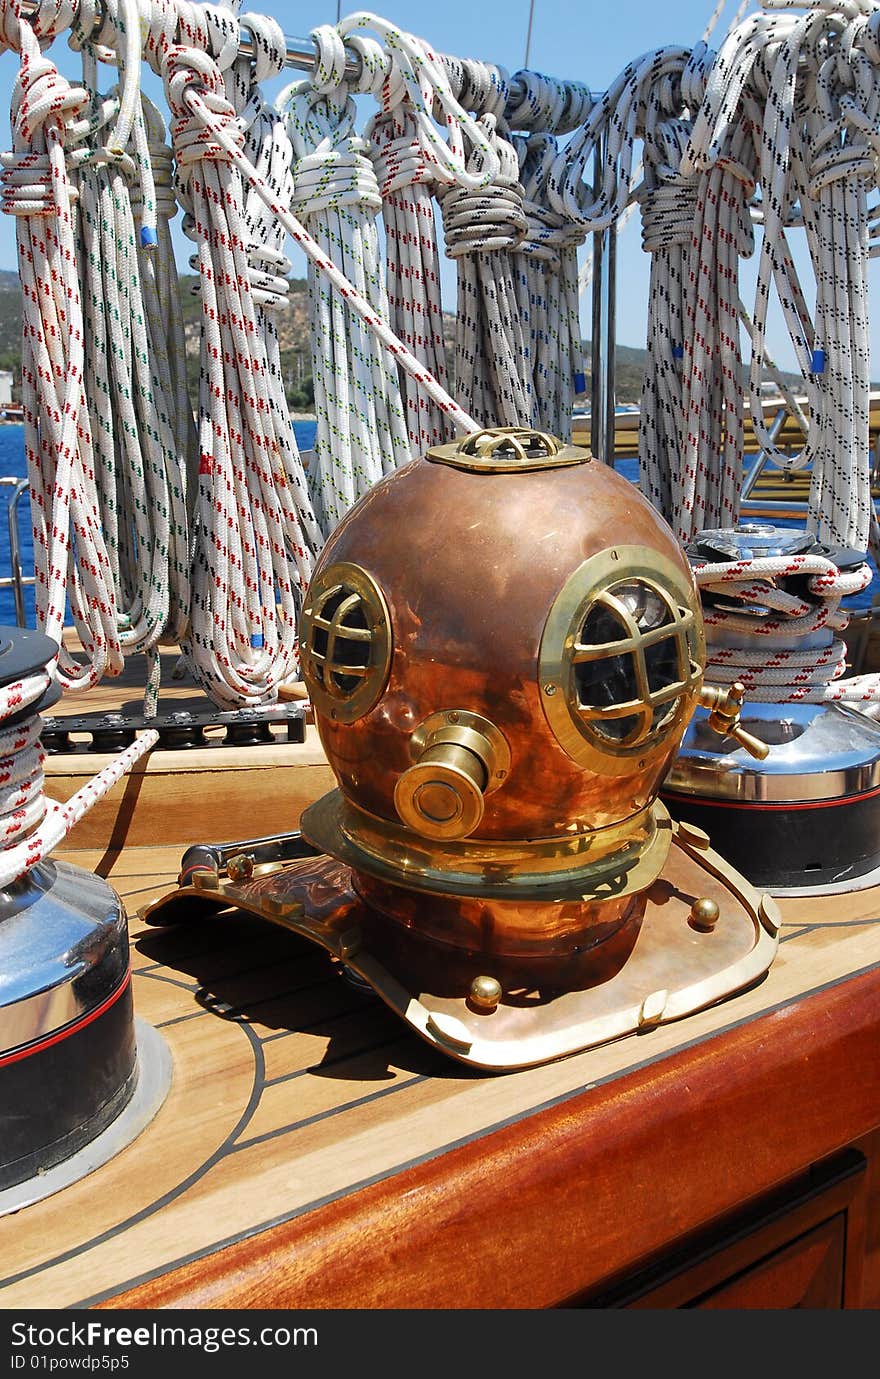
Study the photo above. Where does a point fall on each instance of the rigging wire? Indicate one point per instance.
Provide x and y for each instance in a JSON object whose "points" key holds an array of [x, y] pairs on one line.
{"points": [[529, 33]]}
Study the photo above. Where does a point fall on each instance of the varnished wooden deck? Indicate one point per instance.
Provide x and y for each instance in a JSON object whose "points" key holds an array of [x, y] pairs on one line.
{"points": [[314, 1152], [291, 1092]]}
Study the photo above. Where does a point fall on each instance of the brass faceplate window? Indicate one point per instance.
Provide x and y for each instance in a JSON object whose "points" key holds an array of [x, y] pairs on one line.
{"points": [[345, 642], [622, 658]]}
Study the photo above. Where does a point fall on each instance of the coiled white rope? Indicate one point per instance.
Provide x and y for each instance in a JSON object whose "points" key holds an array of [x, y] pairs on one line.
{"points": [[216, 133], [140, 467], [585, 273], [812, 81], [30, 824], [70, 554], [407, 179], [361, 431], [268, 145], [242, 640], [492, 375], [773, 65], [546, 282], [411, 163], [697, 229], [618, 116], [161, 291], [788, 654]]}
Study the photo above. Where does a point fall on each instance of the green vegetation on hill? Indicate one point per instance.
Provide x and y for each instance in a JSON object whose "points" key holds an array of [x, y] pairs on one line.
{"points": [[293, 337], [629, 370], [10, 323]]}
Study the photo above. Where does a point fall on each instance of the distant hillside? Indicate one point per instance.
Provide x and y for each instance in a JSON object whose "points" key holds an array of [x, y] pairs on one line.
{"points": [[629, 370], [10, 322], [293, 336]]}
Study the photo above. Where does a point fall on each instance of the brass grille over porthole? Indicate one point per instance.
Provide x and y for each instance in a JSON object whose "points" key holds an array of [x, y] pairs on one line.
{"points": [[622, 658], [632, 662], [502, 449], [345, 642]]}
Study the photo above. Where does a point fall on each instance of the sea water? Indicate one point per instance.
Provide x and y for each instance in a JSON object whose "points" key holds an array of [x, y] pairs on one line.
{"points": [[12, 465]]}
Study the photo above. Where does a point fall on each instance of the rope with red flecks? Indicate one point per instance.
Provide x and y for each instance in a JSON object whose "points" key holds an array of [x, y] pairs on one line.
{"points": [[214, 131], [70, 555], [30, 824], [246, 589], [407, 180], [783, 670]]}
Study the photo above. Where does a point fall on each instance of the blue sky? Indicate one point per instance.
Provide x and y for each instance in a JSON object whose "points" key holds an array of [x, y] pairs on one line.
{"points": [[585, 42]]}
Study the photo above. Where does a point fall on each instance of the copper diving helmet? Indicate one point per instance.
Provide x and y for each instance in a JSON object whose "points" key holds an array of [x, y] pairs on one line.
{"points": [[503, 645]]}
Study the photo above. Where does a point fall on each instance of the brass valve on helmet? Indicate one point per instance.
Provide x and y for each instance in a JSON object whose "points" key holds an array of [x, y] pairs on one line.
{"points": [[725, 707], [458, 759]]}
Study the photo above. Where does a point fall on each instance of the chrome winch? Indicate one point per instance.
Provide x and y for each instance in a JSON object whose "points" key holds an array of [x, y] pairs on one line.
{"points": [[80, 1077], [805, 818]]}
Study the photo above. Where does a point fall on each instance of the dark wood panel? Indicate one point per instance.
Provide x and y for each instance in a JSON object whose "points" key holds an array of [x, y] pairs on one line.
{"points": [[787, 1249], [807, 1273]]}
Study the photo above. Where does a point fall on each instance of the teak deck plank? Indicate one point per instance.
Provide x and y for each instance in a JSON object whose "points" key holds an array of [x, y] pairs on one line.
{"points": [[314, 1152]]}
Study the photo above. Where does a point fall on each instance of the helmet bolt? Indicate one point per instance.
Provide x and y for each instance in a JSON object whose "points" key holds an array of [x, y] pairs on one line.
{"points": [[704, 915], [485, 993]]}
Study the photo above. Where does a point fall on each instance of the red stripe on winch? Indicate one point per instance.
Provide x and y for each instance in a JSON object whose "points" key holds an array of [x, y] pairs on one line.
{"points": [[781, 804], [69, 1030]]}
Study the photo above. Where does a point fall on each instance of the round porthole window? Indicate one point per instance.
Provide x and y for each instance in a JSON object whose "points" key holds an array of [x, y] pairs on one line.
{"points": [[622, 657], [345, 642]]}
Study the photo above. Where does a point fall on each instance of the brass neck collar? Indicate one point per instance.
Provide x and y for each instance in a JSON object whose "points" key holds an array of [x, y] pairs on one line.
{"points": [[617, 860]]}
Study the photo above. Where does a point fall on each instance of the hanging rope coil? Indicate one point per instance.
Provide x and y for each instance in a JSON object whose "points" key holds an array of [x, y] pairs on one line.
{"points": [[245, 590], [267, 144], [787, 111], [618, 119], [214, 131], [788, 74], [466, 154], [540, 104], [491, 371], [70, 554], [407, 179], [412, 164], [713, 438], [139, 440], [546, 277], [361, 431], [668, 203]]}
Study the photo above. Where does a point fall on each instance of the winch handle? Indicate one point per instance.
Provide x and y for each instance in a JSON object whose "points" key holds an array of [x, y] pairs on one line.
{"points": [[725, 707]]}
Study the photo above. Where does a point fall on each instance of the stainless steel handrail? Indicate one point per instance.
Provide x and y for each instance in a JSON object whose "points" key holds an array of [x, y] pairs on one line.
{"points": [[17, 581], [761, 458], [604, 329], [302, 53]]}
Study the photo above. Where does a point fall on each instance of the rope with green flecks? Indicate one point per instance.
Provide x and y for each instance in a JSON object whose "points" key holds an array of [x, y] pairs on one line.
{"points": [[137, 434], [361, 428]]}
